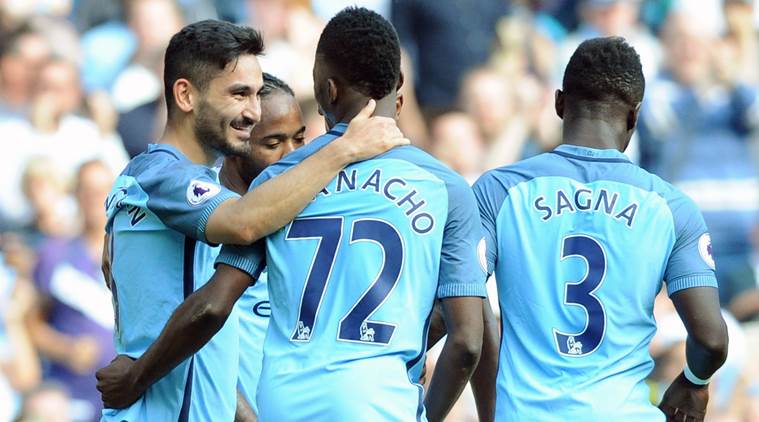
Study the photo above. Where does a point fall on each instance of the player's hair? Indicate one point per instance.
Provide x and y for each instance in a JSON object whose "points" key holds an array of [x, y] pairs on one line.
{"points": [[603, 70], [273, 84], [362, 47], [202, 49]]}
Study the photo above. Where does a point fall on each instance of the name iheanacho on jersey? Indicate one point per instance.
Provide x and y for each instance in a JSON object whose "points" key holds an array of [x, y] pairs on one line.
{"points": [[586, 200], [395, 189]]}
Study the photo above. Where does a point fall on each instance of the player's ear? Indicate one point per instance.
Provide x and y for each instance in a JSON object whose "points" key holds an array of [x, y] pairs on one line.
{"points": [[398, 105], [332, 90], [184, 95], [632, 117], [559, 103]]}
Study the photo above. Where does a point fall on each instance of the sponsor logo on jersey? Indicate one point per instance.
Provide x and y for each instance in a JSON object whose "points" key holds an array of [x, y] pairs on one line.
{"points": [[199, 192], [705, 249]]}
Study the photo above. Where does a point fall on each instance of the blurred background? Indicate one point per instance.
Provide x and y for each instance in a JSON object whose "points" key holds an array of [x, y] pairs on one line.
{"points": [[81, 93]]}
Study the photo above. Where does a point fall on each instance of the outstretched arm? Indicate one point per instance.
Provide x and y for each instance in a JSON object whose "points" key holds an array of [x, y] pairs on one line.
{"points": [[190, 327], [463, 321], [705, 350], [276, 202]]}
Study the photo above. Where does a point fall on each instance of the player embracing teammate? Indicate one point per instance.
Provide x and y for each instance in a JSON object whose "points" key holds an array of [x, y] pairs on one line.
{"points": [[579, 239]]}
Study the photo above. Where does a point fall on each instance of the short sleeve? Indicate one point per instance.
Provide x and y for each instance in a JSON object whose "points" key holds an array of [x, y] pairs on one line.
{"points": [[490, 195], [184, 197], [461, 272], [248, 258], [691, 263]]}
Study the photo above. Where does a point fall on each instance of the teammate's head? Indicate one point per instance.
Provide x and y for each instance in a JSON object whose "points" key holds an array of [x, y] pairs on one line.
{"points": [[603, 81], [358, 57], [280, 131], [212, 76]]}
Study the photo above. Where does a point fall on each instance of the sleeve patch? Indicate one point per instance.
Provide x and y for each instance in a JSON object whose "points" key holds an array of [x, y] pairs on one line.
{"points": [[482, 249], [705, 249], [199, 191]]}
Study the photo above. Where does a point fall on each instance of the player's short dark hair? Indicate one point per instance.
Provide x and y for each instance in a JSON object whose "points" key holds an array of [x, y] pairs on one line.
{"points": [[273, 84], [605, 69], [362, 47], [202, 49]]}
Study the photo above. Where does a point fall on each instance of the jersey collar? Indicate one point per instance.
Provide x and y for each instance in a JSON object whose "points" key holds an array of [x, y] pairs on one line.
{"points": [[591, 154]]}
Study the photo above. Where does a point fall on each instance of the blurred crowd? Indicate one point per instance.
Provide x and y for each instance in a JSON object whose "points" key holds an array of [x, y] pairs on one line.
{"points": [[81, 93]]}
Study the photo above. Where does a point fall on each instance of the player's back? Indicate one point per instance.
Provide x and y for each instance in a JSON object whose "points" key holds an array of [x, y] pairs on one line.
{"points": [[352, 282], [583, 239], [156, 219]]}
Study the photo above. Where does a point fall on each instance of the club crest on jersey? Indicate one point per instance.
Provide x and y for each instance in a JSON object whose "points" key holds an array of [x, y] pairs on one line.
{"points": [[705, 249], [199, 192]]}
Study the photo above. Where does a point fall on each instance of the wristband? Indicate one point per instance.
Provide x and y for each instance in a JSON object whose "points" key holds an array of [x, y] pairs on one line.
{"points": [[690, 376]]}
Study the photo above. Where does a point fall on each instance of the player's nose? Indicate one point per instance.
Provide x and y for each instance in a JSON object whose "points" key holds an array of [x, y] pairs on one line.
{"points": [[252, 110]]}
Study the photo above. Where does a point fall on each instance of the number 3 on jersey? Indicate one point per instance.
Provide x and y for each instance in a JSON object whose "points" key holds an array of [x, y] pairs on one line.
{"points": [[355, 326], [581, 294]]}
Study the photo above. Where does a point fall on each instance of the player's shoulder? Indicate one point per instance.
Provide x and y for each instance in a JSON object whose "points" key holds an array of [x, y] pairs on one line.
{"points": [[426, 162], [164, 162], [506, 177]]}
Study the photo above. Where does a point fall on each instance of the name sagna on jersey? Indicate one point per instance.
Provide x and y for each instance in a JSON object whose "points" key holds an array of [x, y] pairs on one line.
{"points": [[395, 189], [586, 200]]}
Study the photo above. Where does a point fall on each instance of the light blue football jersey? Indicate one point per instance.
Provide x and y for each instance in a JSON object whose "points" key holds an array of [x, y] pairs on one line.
{"points": [[157, 213], [254, 310], [352, 281], [580, 240]]}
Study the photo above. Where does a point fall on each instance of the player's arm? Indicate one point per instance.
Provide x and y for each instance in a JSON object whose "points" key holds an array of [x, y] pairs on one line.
{"points": [[692, 286], [483, 378], [190, 327], [276, 202], [459, 357], [705, 352], [244, 412]]}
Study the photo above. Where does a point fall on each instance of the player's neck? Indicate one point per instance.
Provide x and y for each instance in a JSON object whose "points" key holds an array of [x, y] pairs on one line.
{"points": [[181, 136], [385, 108], [229, 177], [592, 133]]}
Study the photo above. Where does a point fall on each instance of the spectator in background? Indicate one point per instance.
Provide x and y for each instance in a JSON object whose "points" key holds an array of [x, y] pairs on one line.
{"points": [[694, 133], [19, 365], [602, 18], [489, 98], [52, 211], [741, 43], [137, 92], [73, 325], [457, 142], [444, 41], [22, 53], [50, 402]]}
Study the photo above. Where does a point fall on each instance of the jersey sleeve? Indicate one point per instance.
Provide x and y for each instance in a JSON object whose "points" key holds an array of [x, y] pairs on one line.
{"points": [[489, 195], [461, 273], [184, 197], [248, 258], [690, 263]]}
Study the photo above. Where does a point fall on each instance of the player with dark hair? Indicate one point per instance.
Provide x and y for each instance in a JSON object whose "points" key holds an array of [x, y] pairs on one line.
{"points": [[353, 278], [580, 240], [280, 132], [167, 209]]}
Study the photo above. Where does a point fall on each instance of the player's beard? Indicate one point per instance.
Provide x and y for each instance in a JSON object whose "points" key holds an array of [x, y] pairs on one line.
{"points": [[211, 130]]}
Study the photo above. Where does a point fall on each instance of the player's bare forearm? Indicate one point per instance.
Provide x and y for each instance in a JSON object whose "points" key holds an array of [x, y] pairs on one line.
{"points": [[190, 327], [463, 319], [483, 379], [244, 412], [436, 329], [706, 346], [276, 202], [705, 350]]}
